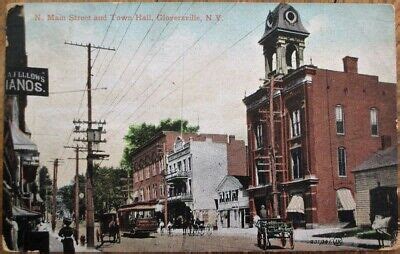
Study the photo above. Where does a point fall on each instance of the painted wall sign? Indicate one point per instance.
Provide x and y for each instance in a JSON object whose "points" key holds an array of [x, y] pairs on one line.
{"points": [[27, 81]]}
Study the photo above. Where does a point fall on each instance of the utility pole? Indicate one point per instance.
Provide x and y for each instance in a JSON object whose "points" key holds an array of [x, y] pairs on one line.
{"points": [[272, 149], [54, 202], [90, 156], [272, 152], [77, 149]]}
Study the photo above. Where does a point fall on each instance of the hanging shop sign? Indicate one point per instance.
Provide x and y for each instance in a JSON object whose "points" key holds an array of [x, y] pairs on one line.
{"points": [[27, 81]]}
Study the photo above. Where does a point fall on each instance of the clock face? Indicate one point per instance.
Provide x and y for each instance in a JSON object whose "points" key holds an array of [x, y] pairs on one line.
{"points": [[270, 20], [291, 17]]}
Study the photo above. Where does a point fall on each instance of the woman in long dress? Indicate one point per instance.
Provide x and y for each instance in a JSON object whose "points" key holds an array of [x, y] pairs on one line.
{"points": [[67, 232]]}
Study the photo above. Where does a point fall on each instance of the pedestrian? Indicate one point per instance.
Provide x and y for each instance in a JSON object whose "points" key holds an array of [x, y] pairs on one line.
{"points": [[263, 212], [14, 232], [67, 232]]}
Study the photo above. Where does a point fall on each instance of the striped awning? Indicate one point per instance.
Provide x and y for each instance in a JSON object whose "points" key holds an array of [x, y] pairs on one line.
{"points": [[296, 205], [345, 200]]}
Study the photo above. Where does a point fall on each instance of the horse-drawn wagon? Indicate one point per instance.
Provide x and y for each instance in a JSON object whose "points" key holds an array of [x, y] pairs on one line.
{"points": [[108, 226], [274, 228]]}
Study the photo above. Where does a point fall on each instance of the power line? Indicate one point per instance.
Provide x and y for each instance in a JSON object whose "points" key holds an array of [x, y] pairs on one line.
{"points": [[118, 46], [192, 76], [148, 52], [105, 35], [135, 52], [176, 60]]}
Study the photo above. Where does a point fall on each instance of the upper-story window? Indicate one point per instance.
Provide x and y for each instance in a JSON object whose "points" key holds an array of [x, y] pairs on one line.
{"points": [[179, 166], [295, 129], [141, 195], [261, 173], [339, 116], [141, 175], [374, 121], [190, 163], [297, 171], [342, 161], [184, 165], [259, 136], [155, 190], [135, 177], [147, 172]]}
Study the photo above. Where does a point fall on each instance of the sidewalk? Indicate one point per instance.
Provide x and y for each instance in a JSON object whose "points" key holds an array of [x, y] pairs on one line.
{"points": [[308, 235], [303, 235], [55, 241]]}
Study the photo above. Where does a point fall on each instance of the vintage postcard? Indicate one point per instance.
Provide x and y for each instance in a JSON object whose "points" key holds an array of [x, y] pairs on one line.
{"points": [[193, 126]]}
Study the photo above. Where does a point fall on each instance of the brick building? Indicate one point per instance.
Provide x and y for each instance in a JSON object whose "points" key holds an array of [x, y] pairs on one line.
{"points": [[148, 165], [195, 169], [320, 126]]}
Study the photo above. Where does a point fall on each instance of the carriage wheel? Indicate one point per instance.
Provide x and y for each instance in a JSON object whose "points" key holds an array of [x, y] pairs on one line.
{"points": [[283, 241], [265, 240], [291, 241]]}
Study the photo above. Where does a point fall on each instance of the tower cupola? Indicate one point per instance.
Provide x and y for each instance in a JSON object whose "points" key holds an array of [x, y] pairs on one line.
{"points": [[283, 40]]}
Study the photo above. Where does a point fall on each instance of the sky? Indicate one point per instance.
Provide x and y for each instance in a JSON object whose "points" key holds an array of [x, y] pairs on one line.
{"points": [[213, 63]]}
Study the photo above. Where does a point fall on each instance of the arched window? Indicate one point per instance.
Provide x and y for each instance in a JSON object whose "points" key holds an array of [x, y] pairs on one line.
{"points": [[342, 161], [291, 56], [374, 121], [273, 64]]}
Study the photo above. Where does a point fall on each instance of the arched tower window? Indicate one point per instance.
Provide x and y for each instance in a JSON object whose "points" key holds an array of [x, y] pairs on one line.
{"points": [[291, 56], [273, 62]]}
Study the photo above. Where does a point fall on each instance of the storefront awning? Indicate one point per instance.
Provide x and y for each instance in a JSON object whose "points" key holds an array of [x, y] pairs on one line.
{"points": [[19, 212], [296, 205], [345, 200], [21, 141]]}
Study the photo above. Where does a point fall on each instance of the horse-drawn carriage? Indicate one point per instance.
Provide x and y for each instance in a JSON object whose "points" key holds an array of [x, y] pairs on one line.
{"points": [[108, 227], [274, 228]]}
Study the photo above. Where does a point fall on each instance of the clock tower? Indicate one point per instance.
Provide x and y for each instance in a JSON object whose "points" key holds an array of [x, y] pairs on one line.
{"points": [[283, 40]]}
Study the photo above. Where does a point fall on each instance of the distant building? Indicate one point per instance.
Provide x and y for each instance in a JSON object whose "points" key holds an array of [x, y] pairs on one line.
{"points": [[195, 169], [233, 202], [325, 124], [148, 170], [376, 187]]}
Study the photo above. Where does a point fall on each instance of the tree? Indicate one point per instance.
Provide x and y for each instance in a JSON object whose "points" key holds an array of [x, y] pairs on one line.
{"points": [[139, 134], [108, 186], [67, 194]]}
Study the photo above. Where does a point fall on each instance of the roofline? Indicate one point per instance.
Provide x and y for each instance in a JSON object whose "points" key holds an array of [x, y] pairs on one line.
{"points": [[265, 37], [373, 168]]}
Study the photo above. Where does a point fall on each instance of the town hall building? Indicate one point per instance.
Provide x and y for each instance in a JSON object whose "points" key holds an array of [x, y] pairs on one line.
{"points": [[321, 125]]}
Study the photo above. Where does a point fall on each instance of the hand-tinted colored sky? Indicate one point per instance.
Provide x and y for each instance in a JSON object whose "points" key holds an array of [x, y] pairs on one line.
{"points": [[217, 69]]}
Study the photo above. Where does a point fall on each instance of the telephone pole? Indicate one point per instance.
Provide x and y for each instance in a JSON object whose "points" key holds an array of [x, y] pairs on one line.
{"points": [[54, 201], [90, 155], [77, 149], [272, 156]]}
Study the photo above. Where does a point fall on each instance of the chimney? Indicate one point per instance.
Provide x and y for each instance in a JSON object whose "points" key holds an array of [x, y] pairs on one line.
{"points": [[350, 64]]}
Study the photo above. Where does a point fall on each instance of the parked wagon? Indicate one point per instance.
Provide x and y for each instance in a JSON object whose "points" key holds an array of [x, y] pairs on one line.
{"points": [[108, 227], [274, 228]]}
